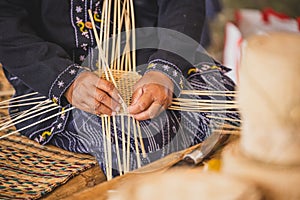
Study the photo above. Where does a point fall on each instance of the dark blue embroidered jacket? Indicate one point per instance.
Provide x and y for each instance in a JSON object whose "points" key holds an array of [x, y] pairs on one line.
{"points": [[43, 43]]}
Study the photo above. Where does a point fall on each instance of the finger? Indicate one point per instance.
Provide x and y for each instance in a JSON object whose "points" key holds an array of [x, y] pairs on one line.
{"points": [[143, 104], [104, 98], [154, 110], [102, 109], [93, 106], [109, 88], [136, 95]]}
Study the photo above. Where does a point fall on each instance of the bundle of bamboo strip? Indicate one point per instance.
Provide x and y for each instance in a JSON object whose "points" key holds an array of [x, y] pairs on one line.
{"points": [[119, 67]]}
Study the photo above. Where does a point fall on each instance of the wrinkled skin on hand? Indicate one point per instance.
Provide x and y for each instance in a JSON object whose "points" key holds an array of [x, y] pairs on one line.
{"points": [[152, 94], [93, 94]]}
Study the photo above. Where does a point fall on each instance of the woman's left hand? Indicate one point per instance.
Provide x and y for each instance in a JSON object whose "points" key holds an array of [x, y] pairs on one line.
{"points": [[152, 94]]}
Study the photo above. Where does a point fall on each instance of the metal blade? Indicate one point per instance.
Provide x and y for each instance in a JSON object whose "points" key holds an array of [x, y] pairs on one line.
{"points": [[207, 147]]}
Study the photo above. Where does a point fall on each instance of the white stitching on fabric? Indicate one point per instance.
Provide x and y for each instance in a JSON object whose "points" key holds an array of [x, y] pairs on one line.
{"points": [[165, 62], [43, 129], [58, 77], [67, 86], [72, 21], [91, 33]]}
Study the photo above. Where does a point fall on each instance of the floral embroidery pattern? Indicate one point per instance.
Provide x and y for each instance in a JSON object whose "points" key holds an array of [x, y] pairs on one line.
{"points": [[72, 71], [62, 82], [44, 135], [78, 9], [82, 26]]}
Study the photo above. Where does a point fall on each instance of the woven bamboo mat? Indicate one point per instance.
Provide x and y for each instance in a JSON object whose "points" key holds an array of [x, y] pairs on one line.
{"points": [[125, 81], [29, 170]]}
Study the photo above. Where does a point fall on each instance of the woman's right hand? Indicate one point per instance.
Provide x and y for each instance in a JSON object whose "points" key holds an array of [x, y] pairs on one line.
{"points": [[93, 94]]}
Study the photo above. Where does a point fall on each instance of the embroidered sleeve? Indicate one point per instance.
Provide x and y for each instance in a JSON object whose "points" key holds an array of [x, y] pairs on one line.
{"points": [[56, 125], [62, 82], [170, 70]]}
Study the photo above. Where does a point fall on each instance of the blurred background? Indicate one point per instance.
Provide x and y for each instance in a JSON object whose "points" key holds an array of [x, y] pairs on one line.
{"points": [[218, 17]]}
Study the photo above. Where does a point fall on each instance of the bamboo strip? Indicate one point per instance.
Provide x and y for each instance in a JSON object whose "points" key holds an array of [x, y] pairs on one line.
{"points": [[100, 51], [26, 113], [103, 48], [27, 118], [205, 106], [133, 38], [21, 104], [224, 118], [231, 132], [128, 65], [105, 145], [137, 151], [25, 100], [123, 144], [141, 139], [11, 116], [221, 110], [109, 145], [19, 97], [113, 47], [209, 91], [101, 39], [128, 143], [204, 100], [200, 108], [118, 49], [38, 122], [117, 145]]}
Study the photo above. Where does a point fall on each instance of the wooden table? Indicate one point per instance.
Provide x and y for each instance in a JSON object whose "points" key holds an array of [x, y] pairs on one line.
{"points": [[101, 191]]}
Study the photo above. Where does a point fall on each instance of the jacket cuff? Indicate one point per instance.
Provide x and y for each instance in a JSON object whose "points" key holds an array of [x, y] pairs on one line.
{"points": [[170, 70], [62, 83], [57, 125]]}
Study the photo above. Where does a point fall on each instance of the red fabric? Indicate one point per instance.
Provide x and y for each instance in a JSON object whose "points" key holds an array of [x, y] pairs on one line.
{"points": [[237, 16], [298, 20], [269, 11]]}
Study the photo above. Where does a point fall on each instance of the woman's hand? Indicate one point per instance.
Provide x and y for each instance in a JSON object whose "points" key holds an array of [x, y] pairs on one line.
{"points": [[152, 94], [93, 94]]}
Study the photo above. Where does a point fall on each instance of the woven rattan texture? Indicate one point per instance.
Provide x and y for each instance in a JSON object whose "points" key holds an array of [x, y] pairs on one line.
{"points": [[29, 170], [125, 81]]}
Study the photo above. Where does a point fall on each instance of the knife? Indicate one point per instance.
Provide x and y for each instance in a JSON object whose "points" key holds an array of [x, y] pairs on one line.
{"points": [[209, 146]]}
